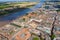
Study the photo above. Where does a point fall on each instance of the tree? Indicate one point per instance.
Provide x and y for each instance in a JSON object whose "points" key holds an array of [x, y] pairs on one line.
{"points": [[23, 19], [40, 36], [52, 36]]}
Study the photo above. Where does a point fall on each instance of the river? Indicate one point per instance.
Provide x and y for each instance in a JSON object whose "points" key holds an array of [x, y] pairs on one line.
{"points": [[8, 18]]}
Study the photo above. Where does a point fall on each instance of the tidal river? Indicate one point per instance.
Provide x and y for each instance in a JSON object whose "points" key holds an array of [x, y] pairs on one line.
{"points": [[8, 18]]}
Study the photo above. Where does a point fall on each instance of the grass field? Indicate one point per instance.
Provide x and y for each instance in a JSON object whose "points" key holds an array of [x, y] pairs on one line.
{"points": [[2, 6], [16, 5]]}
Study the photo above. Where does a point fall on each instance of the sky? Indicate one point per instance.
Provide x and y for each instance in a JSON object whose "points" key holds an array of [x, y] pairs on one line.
{"points": [[27, 0], [19, 0]]}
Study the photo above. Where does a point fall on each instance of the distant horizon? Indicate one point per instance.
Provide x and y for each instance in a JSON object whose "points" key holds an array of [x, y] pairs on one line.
{"points": [[18, 0], [26, 0]]}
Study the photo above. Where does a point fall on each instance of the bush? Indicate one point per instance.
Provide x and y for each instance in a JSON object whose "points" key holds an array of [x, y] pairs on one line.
{"points": [[15, 25], [35, 38]]}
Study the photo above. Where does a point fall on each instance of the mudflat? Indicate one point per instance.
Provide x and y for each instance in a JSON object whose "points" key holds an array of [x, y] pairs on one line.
{"points": [[2, 23]]}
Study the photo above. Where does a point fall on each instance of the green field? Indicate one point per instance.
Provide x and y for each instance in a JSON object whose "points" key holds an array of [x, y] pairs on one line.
{"points": [[4, 7]]}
